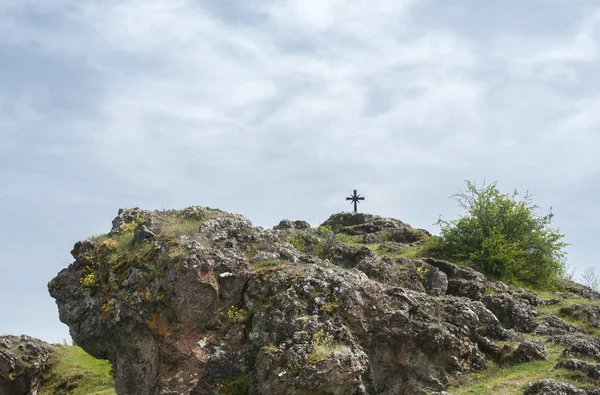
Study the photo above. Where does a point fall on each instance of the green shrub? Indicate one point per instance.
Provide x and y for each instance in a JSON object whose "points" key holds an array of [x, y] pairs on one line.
{"points": [[504, 237]]}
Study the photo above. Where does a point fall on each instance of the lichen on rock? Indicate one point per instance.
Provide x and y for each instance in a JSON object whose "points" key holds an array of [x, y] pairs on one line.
{"points": [[200, 301]]}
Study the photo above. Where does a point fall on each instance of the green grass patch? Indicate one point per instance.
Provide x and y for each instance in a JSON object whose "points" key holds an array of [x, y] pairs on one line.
{"points": [[545, 294], [512, 379], [174, 227], [73, 371], [321, 352], [354, 241], [265, 266], [237, 385]]}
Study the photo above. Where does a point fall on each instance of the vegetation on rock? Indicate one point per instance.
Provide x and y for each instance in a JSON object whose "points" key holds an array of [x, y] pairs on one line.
{"points": [[200, 301]]}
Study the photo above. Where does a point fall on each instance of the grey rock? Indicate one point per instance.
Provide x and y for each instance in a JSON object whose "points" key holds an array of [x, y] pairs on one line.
{"points": [[528, 351], [592, 371], [369, 238], [489, 325], [292, 225], [555, 387], [512, 312], [362, 223], [467, 288], [143, 234], [583, 312], [455, 271], [435, 282], [553, 325], [582, 348]]}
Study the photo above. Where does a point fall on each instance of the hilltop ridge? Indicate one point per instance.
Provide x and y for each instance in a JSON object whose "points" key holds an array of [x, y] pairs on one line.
{"points": [[199, 301]]}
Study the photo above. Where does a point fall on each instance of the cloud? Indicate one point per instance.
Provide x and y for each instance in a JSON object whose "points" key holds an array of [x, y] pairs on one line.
{"points": [[273, 109]]}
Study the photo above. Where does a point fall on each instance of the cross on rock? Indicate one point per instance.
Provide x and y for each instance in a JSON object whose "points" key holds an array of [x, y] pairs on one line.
{"points": [[355, 199]]}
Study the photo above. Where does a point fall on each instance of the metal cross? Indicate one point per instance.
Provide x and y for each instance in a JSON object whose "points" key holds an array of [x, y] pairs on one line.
{"points": [[355, 199]]}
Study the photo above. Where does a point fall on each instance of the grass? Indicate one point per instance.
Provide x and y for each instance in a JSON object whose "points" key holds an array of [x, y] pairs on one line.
{"points": [[73, 371], [266, 266], [330, 307], [266, 263], [174, 227], [354, 241], [322, 351], [237, 385], [512, 379]]}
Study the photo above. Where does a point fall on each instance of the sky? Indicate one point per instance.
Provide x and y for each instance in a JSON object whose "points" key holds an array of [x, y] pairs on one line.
{"points": [[279, 109]]}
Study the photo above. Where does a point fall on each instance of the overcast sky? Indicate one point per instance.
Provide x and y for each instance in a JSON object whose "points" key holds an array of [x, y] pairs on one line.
{"points": [[279, 109]]}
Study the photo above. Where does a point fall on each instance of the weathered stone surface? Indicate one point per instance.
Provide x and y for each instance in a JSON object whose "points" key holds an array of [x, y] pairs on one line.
{"points": [[554, 387], [467, 288], [455, 271], [583, 312], [287, 224], [374, 227], [489, 325], [553, 325], [435, 281], [592, 371], [528, 351], [512, 312], [395, 272], [582, 348], [191, 314], [22, 360]]}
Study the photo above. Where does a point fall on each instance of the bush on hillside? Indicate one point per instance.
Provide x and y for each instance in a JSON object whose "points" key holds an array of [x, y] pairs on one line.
{"points": [[504, 237]]}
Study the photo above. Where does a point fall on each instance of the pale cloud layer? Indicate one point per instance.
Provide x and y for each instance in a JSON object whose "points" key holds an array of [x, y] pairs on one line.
{"points": [[278, 110]]}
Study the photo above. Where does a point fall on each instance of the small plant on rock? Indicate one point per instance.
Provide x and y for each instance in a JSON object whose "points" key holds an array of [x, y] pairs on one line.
{"points": [[232, 316], [323, 347], [88, 280]]}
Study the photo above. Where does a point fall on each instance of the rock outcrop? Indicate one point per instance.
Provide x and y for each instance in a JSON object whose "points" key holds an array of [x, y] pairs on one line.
{"points": [[554, 387], [592, 371], [529, 351], [22, 360], [200, 301]]}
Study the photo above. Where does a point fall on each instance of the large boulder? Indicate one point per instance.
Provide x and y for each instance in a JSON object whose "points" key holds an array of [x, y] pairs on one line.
{"points": [[513, 313], [22, 360], [211, 302], [528, 351], [462, 281], [435, 281]]}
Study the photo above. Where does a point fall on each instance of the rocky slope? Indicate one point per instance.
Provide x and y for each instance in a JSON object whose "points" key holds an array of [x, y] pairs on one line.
{"points": [[199, 301]]}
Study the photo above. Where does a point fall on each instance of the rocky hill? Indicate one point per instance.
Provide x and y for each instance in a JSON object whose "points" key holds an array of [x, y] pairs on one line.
{"points": [[200, 301]]}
